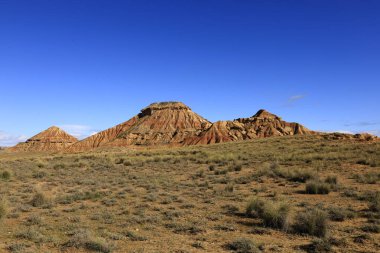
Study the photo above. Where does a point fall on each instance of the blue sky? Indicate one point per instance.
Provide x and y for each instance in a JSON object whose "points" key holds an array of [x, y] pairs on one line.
{"points": [[89, 65]]}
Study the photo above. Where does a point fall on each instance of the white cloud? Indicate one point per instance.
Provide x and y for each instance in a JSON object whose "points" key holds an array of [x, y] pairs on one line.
{"points": [[374, 132], [344, 132], [295, 98], [7, 139], [79, 131]]}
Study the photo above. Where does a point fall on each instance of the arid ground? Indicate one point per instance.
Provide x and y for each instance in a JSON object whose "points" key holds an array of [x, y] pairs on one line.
{"points": [[279, 194]]}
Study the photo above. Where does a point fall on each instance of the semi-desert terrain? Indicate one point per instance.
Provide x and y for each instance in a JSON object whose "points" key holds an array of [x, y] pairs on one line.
{"points": [[301, 193]]}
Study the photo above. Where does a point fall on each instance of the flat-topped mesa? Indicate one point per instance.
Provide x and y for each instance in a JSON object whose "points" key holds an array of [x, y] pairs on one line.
{"points": [[52, 139], [164, 123], [172, 105]]}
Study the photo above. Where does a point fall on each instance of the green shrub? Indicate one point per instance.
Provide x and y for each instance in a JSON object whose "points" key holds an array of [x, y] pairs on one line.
{"points": [[31, 234], [39, 199], [39, 174], [295, 175], [3, 208], [119, 161], [363, 162], [332, 180], [134, 237], [98, 245], [340, 214], [17, 247], [274, 214], [317, 187], [255, 207], [312, 222], [371, 228], [319, 246], [243, 245], [83, 239], [235, 167], [374, 202], [127, 163], [367, 178], [6, 175], [302, 176], [229, 188]]}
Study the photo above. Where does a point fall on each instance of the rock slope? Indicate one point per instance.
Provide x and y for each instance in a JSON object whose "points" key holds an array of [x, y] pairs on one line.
{"points": [[262, 124], [158, 124], [52, 139]]}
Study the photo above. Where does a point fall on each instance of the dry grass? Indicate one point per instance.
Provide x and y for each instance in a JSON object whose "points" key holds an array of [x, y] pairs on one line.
{"points": [[194, 199]]}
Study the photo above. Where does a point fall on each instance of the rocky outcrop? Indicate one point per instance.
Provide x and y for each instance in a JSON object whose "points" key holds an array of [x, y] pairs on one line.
{"points": [[344, 136], [158, 124], [52, 139], [262, 124]]}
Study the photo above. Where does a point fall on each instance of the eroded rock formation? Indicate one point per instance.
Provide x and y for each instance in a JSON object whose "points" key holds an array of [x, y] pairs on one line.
{"points": [[262, 124], [52, 139], [158, 124], [174, 123]]}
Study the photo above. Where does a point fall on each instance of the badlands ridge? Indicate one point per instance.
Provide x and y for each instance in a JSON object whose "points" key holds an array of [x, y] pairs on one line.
{"points": [[173, 124]]}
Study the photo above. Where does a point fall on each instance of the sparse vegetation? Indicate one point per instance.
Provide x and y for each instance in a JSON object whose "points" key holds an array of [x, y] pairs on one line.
{"points": [[312, 222], [368, 178], [39, 199], [193, 198], [84, 239], [317, 187], [340, 214], [243, 245], [3, 208], [5, 175], [319, 245], [331, 180], [374, 204], [274, 214]]}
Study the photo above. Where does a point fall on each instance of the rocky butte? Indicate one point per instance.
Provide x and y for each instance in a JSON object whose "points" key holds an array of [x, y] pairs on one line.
{"points": [[157, 124], [52, 139]]}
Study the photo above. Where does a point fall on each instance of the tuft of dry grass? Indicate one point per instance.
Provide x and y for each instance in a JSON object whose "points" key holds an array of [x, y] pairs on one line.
{"points": [[313, 222]]}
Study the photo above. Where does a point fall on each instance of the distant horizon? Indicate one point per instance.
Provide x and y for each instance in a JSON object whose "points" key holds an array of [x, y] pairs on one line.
{"points": [[90, 65], [77, 131]]}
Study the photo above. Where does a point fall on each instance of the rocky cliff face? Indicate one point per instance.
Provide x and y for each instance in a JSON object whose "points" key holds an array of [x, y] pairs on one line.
{"points": [[262, 124], [158, 124], [52, 139]]}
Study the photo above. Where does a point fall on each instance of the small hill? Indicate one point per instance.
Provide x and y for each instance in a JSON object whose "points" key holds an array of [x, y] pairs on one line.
{"points": [[262, 124], [52, 139], [157, 124]]}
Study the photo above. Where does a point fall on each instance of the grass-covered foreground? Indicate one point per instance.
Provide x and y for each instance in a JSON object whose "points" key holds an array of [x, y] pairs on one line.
{"points": [[286, 194]]}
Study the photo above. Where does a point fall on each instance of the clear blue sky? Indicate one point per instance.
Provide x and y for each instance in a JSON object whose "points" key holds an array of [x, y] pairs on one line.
{"points": [[88, 65]]}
